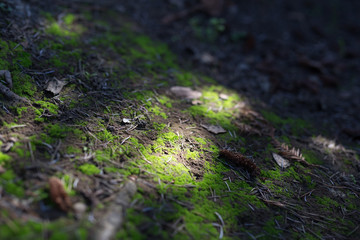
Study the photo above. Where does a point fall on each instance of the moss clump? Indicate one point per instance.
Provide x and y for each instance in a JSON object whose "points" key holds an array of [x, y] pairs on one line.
{"points": [[326, 202], [4, 158], [158, 111], [296, 125], [52, 108], [11, 184], [311, 157], [186, 79], [89, 169], [57, 131]]}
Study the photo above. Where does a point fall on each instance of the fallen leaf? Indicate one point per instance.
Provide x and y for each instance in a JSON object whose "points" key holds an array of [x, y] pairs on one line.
{"points": [[55, 86], [58, 194], [185, 92], [214, 129], [282, 162], [126, 120]]}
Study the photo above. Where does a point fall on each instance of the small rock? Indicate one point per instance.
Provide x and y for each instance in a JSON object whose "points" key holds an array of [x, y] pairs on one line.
{"points": [[223, 96], [185, 92], [214, 129], [79, 209]]}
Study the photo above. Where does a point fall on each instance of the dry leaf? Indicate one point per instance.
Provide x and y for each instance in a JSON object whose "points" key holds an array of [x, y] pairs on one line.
{"points": [[55, 86], [214, 129], [185, 92], [282, 162], [58, 194]]}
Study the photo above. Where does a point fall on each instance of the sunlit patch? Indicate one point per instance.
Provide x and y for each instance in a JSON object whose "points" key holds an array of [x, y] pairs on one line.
{"points": [[65, 26]]}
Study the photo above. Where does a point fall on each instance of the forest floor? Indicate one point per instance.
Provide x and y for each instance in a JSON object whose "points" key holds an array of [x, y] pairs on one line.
{"points": [[238, 126]]}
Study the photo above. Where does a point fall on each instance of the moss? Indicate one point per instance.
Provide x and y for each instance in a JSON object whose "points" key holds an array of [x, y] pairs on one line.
{"points": [[158, 111], [165, 101], [23, 84], [89, 169], [270, 228], [297, 126], [65, 29], [11, 184], [311, 157], [102, 156], [159, 126], [326, 202], [4, 158], [200, 140], [215, 109], [57, 131], [52, 108], [186, 79]]}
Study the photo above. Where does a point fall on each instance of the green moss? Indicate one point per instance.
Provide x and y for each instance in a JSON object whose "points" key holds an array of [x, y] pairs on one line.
{"points": [[270, 228], [102, 156], [311, 157], [158, 111], [52, 108], [165, 101], [57, 131], [159, 126], [297, 126], [69, 19], [89, 169], [4, 158], [326, 202], [23, 84], [200, 140], [11, 184], [186, 79]]}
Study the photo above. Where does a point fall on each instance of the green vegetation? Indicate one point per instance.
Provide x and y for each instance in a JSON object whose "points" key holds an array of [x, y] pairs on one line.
{"points": [[89, 169]]}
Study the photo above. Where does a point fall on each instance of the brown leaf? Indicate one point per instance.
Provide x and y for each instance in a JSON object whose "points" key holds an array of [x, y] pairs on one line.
{"points": [[58, 194], [214, 129]]}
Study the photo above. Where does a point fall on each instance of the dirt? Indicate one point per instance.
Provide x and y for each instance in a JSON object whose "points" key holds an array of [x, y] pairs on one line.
{"points": [[279, 77]]}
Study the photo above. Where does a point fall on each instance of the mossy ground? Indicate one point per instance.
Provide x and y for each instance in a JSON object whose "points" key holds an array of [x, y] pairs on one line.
{"points": [[116, 118]]}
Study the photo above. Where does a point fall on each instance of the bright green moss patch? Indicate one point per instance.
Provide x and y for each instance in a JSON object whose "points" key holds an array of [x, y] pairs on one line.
{"points": [[200, 140], [4, 158], [158, 111], [164, 100], [89, 169], [218, 111], [52, 108]]}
